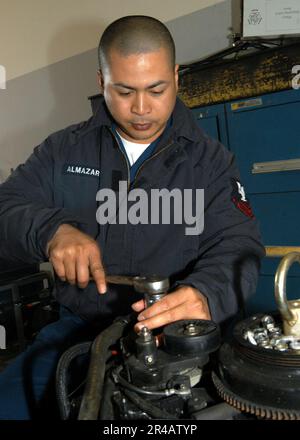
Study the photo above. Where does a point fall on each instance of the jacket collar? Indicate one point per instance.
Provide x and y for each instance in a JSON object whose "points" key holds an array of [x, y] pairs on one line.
{"points": [[183, 123]]}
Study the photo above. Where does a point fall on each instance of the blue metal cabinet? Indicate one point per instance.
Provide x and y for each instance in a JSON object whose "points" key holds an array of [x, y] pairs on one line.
{"points": [[265, 129], [212, 120]]}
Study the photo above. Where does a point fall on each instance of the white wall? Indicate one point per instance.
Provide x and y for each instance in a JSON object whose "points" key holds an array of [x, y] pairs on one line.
{"points": [[37, 33]]}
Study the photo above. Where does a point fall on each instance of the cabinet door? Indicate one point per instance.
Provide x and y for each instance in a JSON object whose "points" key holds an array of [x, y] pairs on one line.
{"points": [[263, 130], [213, 121]]}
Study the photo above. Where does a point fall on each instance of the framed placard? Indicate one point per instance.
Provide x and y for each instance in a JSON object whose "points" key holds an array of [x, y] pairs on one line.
{"points": [[271, 18]]}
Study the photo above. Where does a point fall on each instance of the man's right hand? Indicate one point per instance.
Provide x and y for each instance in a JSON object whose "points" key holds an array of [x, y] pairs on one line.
{"points": [[75, 257]]}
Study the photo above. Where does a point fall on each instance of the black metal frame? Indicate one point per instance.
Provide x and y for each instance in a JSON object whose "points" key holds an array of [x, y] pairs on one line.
{"points": [[14, 286]]}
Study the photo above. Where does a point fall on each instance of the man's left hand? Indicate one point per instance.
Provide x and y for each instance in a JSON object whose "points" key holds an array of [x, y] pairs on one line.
{"points": [[184, 303]]}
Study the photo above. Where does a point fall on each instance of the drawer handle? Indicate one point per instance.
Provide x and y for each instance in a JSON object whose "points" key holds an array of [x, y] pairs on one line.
{"points": [[276, 166]]}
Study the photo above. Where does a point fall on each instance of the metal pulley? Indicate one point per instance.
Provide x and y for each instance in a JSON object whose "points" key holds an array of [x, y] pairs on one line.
{"points": [[259, 369], [256, 377], [192, 336]]}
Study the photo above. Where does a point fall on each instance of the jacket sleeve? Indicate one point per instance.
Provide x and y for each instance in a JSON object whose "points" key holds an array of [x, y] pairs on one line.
{"points": [[28, 217], [227, 266]]}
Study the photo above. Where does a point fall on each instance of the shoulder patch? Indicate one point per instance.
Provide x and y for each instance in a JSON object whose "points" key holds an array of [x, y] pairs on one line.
{"points": [[238, 197]]}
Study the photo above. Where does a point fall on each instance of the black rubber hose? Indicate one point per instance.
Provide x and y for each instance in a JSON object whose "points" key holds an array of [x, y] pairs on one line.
{"points": [[62, 374], [92, 397], [106, 408]]}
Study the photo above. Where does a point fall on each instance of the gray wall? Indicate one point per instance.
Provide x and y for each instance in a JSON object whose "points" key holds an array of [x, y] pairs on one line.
{"points": [[36, 104], [39, 103], [202, 33]]}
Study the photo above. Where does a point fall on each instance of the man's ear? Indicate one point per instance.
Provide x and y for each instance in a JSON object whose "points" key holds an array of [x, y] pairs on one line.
{"points": [[176, 76], [100, 81]]}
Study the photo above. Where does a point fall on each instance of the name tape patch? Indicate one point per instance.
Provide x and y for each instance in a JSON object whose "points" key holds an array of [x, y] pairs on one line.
{"points": [[81, 170]]}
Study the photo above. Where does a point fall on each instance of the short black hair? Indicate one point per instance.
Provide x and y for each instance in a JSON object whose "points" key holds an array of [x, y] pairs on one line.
{"points": [[135, 34]]}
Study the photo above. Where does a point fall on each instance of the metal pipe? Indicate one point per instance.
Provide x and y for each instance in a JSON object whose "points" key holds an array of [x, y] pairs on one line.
{"points": [[280, 251]]}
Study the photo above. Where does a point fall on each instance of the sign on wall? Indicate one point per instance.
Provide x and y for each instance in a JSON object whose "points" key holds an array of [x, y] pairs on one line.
{"points": [[265, 18]]}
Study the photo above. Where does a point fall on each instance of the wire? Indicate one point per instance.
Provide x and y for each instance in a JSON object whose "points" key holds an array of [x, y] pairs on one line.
{"points": [[148, 407], [164, 393]]}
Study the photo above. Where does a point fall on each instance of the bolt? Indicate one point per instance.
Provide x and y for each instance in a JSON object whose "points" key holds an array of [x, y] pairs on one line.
{"points": [[268, 322], [281, 346], [275, 340], [275, 331], [250, 337], [265, 344], [260, 335], [295, 345], [149, 359], [191, 329], [146, 334]]}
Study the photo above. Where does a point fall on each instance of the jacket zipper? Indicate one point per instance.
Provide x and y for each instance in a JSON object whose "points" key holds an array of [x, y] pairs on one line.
{"points": [[149, 158], [124, 157], [138, 171], [143, 164]]}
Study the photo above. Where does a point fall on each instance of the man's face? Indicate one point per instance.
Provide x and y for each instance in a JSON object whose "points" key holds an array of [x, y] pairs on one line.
{"points": [[140, 93]]}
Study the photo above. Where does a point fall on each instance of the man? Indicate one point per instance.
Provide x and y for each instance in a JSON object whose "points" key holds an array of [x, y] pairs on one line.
{"points": [[143, 135]]}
